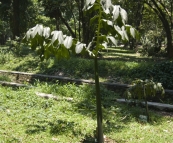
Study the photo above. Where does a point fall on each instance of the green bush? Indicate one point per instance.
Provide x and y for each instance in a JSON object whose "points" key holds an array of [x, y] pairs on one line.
{"points": [[141, 90], [160, 72], [5, 56]]}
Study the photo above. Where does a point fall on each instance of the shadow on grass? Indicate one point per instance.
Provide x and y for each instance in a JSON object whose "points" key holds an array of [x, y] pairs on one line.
{"points": [[116, 116], [27, 65], [58, 127], [83, 68], [61, 127], [129, 58], [89, 139], [34, 129], [126, 67], [116, 50], [80, 68]]}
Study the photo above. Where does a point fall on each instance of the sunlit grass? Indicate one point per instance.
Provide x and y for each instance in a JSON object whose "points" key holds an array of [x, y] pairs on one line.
{"points": [[26, 117]]}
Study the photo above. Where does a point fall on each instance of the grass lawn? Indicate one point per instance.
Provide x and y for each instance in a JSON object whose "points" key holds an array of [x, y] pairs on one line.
{"points": [[27, 118]]}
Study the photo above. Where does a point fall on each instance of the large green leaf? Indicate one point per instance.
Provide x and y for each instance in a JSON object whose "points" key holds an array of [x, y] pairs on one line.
{"points": [[119, 32], [64, 52], [88, 4], [79, 47], [57, 36], [68, 42], [38, 29], [124, 33], [132, 32], [34, 44], [46, 32], [61, 52], [106, 26], [123, 14], [47, 53], [94, 20], [102, 39], [106, 5], [112, 39], [116, 12], [95, 7]]}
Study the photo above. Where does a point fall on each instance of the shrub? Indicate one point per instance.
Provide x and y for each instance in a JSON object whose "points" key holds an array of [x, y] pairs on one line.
{"points": [[142, 90]]}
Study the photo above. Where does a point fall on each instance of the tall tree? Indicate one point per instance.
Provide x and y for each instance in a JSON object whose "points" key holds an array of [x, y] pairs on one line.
{"points": [[4, 20], [15, 13], [61, 11], [65, 11], [15, 18], [163, 11]]}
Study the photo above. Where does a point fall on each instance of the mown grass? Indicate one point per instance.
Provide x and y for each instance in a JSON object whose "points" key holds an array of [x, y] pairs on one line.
{"points": [[26, 117]]}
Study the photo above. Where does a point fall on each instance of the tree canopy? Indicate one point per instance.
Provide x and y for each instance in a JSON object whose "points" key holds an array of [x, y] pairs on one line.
{"points": [[152, 18]]}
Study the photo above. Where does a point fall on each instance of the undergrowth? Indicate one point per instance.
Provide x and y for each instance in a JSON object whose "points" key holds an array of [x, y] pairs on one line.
{"points": [[124, 66]]}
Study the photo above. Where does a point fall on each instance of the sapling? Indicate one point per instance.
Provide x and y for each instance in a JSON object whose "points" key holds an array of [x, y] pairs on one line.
{"points": [[109, 25], [142, 90]]}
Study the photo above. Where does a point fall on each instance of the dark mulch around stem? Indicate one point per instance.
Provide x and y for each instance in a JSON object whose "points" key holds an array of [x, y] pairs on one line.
{"points": [[92, 140], [165, 114]]}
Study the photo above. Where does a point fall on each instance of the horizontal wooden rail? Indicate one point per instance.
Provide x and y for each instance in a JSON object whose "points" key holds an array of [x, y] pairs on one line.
{"points": [[43, 77]]}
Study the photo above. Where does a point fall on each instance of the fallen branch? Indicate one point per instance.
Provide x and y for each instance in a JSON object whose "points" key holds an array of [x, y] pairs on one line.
{"points": [[47, 96], [13, 84]]}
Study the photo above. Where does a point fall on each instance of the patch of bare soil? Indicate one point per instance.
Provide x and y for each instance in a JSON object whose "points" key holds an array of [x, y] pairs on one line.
{"points": [[93, 140], [165, 114]]}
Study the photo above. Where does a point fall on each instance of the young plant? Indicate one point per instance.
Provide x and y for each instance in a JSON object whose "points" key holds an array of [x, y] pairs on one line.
{"points": [[141, 90], [109, 25]]}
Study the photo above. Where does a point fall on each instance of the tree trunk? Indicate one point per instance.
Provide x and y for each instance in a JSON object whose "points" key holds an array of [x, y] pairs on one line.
{"points": [[85, 29], [80, 6], [166, 26], [15, 19], [66, 24], [57, 23], [170, 48]]}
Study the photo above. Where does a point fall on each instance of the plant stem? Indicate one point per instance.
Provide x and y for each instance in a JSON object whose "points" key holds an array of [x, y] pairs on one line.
{"points": [[146, 105], [97, 85], [98, 31], [98, 102]]}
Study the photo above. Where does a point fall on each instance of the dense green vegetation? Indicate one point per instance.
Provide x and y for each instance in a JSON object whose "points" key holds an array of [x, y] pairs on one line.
{"points": [[153, 19], [121, 65]]}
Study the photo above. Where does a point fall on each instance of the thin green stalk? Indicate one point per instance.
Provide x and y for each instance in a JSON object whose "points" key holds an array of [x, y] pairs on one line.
{"points": [[146, 105], [98, 101], [97, 85], [98, 31]]}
